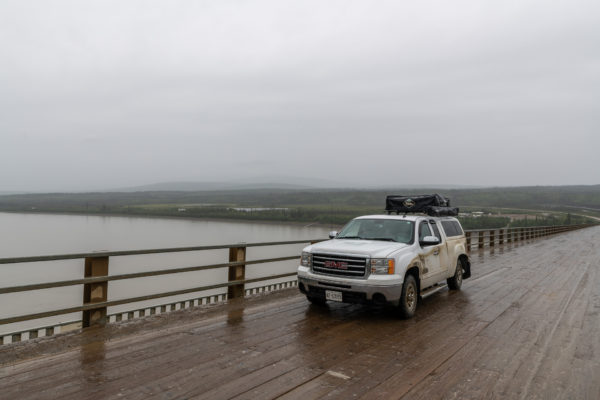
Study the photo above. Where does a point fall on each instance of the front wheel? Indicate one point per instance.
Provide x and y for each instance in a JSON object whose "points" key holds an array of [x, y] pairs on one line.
{"points": [[319, 301], [409, 297], [455, 282]]}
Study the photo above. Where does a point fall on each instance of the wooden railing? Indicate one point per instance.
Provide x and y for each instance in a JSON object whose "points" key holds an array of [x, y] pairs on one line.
{"points": [[96, 278], [482, 238]]}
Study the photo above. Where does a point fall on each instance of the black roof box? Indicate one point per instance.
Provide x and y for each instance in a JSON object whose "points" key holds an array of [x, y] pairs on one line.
{"points": [[430, 204]]}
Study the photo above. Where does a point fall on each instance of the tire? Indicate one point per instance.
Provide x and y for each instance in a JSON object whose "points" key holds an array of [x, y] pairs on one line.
{"points": [[318, 301], [409, 297], [455, 282]]}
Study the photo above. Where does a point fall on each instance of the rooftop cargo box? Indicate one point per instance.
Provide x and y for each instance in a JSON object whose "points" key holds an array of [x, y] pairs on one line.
{"points": [[430, 204]]}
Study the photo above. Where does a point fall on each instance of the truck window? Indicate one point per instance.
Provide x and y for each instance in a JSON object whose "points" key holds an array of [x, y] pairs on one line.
{"points": [[379, 229], [458, 228], [452, 228], [436, 231], [448, 228], [424, 230]]}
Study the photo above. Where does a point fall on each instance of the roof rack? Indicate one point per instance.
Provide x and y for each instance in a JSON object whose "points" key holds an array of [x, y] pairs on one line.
{"points": [[433, 205]]}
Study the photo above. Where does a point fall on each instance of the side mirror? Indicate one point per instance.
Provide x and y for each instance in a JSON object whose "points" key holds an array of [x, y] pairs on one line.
{"points": [[429, 241], [333, 234]]}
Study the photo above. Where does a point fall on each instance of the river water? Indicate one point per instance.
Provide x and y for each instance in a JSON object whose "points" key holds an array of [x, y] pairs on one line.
{"points": [[47, 234]]}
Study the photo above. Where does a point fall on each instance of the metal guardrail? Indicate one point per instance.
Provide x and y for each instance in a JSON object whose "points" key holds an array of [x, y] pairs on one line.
{"points": [[96, 277]]}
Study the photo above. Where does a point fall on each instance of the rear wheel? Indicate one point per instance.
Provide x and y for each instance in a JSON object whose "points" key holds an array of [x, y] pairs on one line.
{"points": [[455, 282], [409, 297]]}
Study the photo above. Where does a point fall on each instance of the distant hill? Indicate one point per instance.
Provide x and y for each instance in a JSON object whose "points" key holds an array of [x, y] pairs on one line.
{"points": [[322, 205], [273, 195], [206, 187], [9, 192], [264, 182]]}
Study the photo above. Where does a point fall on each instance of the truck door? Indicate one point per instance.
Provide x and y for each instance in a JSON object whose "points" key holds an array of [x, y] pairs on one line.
{"points": [[443, 256], [430, 256]]}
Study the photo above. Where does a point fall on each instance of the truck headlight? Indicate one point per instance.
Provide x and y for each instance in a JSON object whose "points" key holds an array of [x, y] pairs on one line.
{"points": [[306, 259], [382, 266]]}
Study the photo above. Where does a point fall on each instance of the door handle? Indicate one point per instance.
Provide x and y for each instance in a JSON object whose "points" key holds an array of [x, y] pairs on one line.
{"points": [[436, 251]]}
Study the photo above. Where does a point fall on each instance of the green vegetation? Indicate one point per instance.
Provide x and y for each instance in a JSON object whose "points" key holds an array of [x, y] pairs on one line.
{"points": [[485, 222], [554, 219], [536, 205]]}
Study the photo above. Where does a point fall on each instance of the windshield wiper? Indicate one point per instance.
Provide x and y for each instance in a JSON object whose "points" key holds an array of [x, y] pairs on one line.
{"points": [[349, 237], [381, 238]]}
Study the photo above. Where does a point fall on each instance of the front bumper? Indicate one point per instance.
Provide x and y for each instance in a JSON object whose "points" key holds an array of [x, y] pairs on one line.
{"points": [[353, 290]]}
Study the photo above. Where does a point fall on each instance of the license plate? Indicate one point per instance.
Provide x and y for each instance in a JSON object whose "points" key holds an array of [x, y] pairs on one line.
{"points": [[333, 295]]}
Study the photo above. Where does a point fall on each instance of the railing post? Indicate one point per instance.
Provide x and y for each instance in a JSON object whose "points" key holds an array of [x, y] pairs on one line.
{"points": [[468, 236], [480, 240], [501, 236], [237, 272], [509, 234], [522, 232], [492, 238], [95, 292]]}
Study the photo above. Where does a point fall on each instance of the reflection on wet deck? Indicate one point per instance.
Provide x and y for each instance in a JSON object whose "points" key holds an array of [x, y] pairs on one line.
{"points": [[524, 326]]}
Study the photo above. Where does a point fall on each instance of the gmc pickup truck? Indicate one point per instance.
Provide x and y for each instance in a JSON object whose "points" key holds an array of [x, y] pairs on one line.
{"points": [[386, 259]]}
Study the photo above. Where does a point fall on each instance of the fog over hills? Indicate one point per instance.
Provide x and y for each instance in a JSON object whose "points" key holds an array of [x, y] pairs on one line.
{"points": [[298, 183], [108, 94], [266, 182], [204, 186]]}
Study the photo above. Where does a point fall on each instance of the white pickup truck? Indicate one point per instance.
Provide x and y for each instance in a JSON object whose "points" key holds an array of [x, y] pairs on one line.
{"points": [[386, 259]]}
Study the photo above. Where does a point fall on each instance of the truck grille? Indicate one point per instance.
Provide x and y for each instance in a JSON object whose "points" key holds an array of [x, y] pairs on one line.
{"points": [[339, 265]]}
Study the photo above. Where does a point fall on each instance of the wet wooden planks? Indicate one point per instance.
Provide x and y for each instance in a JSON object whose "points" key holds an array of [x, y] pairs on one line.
{"points": [[525, 326]]}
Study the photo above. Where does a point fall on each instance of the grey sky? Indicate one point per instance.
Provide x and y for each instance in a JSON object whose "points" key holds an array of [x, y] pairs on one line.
{"points": [[97, 94]]}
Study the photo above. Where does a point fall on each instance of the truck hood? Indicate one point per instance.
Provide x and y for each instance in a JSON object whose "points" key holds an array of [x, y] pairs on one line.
{"points": [[371, 248]]}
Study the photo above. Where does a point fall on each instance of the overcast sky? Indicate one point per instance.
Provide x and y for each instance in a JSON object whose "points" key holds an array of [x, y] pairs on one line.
{"points": [[101, 94]]}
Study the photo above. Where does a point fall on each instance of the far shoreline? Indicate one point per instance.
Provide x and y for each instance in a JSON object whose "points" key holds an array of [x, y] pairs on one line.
{"points": [[183, 217]]}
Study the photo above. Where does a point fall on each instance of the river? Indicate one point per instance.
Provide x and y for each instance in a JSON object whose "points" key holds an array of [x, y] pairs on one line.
{"points": [[46, 234]]}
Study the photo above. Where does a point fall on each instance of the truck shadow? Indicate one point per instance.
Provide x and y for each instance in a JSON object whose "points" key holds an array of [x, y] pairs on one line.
{"points": [[444, 301]]}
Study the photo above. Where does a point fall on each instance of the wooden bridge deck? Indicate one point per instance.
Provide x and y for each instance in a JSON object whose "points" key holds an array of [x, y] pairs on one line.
{"points": [[526, 325]]}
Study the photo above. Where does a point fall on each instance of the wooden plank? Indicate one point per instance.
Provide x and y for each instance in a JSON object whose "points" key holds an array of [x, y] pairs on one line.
{"points": [[237, 272], [96, 292], [502, 354], [458, 377], [182, 360], [17, 260], [72, 282], [127, 357], [389, 333], [111, 303]]}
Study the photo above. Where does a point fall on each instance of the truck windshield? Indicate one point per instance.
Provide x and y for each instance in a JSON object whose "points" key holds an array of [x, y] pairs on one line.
{"points": [[392, 230]]}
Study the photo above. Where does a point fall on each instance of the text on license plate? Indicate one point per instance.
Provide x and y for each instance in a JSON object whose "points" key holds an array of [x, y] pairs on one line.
{"points": [[333, 295]]}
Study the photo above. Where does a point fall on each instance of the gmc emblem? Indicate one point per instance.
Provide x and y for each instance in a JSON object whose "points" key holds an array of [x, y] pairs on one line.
{"points": [[336, 264]]}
